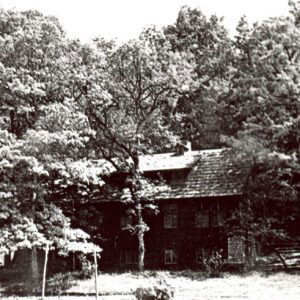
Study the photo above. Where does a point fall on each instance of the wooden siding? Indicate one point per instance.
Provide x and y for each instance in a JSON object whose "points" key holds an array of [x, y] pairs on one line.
{"points": [[185, 239]]}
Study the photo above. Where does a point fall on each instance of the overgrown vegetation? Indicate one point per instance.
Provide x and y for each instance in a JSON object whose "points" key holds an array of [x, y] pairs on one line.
{"points": [[65, 105]]}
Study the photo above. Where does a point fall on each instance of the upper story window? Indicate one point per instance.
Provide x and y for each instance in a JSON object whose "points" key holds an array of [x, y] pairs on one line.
{"points": [[217, 214], [170, 216], [171, 257], [202, 215], [126, 221], [209, 214]]}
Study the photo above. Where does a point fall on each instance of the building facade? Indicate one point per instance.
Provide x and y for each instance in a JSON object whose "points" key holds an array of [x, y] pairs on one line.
{"points": [[204, 188]]}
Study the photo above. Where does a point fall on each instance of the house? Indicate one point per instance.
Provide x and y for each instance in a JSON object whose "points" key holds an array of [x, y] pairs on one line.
{"points": [[204, 187]]}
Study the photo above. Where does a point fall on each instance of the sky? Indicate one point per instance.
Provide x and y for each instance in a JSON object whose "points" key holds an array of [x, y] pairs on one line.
{"points": [[125, 19]]}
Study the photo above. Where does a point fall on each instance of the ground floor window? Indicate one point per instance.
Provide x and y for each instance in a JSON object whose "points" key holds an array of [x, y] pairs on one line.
{"points": [[236, 249], [171, 257], [129, 257]]}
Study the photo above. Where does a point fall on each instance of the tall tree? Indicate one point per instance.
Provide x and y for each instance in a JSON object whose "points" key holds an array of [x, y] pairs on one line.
{"points": [[130, 95], [31, 64], [262, 112], [41, 133], [208, 43]]}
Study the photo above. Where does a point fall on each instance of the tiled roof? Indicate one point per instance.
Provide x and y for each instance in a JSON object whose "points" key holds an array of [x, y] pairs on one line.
{"points": [[168, 161], [157, 162], [208, 173], [214, 173]]}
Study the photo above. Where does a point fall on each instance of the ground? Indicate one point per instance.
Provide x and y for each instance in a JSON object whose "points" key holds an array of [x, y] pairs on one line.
{"points": [[190, 286]]}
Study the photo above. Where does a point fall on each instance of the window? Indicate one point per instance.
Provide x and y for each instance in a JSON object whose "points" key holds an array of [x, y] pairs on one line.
{"points": [[128, 257], [217, 214], [209, 214], [170, 221], [126, 221], [171, 257], [236, 249], [202, 216], [170, 216]]}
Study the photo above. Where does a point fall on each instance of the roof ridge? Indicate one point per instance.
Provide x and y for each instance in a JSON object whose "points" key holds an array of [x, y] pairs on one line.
{"points": [[188, 152]]}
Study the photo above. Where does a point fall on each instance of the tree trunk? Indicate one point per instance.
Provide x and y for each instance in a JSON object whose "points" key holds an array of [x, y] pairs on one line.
{"points": [[45, 270], [138, 207], [141, 238], [34, 259], [96, 274]]}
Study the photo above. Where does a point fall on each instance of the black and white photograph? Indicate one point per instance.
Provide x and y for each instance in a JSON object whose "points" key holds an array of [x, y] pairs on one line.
{"points": [[149, 150]]}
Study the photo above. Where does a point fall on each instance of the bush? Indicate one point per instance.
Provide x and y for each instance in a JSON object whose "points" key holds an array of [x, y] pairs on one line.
{"points": [[214, 264], [60, 282], [158, 291], [86, 266]]}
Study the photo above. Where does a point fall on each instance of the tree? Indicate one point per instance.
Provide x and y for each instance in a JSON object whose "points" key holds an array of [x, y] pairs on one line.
{"points": [[42, 134], [30, 216], [262, 112], [208, 43], [129, 97], [32, 61]]}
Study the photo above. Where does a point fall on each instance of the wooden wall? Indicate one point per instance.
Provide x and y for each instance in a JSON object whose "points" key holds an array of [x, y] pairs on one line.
{"points": [[120, 246]]}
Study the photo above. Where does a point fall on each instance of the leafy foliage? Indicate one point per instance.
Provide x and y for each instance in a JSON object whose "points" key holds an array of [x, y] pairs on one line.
{"points": [[159, 291], [42, 136], [214, 264], [262, 112], [65, 105], [208, 44]]}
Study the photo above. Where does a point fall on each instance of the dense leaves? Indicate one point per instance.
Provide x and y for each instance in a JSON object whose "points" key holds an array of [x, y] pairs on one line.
{"points": [[42, 136], [73, 115], [261, 113], [211, 51], [129, 98]]}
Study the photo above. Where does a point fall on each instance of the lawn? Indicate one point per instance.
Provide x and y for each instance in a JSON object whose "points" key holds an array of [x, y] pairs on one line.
{"points": [[191, 285]]}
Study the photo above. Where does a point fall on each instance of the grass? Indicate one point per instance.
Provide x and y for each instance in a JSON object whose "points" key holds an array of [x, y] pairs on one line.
{"points": [[191, 285]]}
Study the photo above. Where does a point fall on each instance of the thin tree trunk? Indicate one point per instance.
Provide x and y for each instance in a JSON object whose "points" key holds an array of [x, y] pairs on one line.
{"points": [[96, 274], [45, 270], [140, 221], [34, 259], [141, 238], [73, 254]]}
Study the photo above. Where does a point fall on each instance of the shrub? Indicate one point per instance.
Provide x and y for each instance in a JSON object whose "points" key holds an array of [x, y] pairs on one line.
{"points": [[60, 282], [86, 266], [161, 290], [214, 264]]}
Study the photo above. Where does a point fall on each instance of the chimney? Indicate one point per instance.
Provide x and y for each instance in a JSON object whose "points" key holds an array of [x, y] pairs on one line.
{"points": [[183, 147]]}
